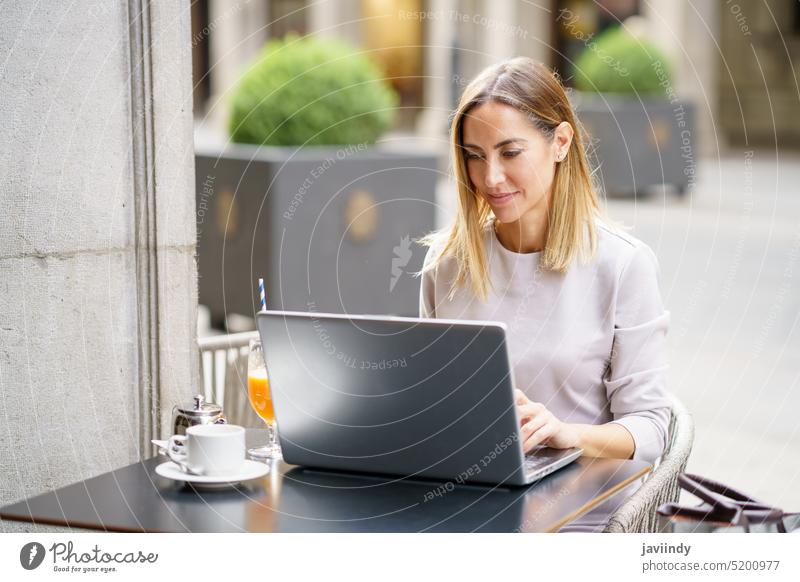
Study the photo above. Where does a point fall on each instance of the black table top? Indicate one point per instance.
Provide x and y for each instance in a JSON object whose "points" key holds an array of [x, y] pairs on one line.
{"points": [[296, 499]]}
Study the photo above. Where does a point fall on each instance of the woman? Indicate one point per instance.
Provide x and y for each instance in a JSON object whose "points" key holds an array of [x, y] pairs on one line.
{"points": [[586, 326]]}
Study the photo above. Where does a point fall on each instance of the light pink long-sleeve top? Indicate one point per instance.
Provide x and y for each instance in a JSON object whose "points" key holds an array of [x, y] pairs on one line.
{"points": [[589, 345]]}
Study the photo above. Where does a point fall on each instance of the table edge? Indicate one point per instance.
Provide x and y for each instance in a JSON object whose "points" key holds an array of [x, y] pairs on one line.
{"points": [[597, 500]]}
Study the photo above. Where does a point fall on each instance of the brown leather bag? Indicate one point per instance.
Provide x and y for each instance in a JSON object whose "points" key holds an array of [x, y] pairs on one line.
{"points": [[723, 508]]}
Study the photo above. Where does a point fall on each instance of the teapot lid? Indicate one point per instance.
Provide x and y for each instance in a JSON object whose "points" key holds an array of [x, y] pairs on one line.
{"points": [[199, 407]]}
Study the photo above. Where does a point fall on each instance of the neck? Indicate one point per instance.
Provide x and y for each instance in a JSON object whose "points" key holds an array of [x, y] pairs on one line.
{"points": [[526, 235]]}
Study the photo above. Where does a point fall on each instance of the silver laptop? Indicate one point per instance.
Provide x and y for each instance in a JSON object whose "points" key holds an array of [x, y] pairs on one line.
{"points": [[426, 398]]}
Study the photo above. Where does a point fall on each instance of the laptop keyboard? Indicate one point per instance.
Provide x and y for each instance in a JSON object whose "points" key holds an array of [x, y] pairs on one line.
{"points": [[534, 462], [539, 458]]}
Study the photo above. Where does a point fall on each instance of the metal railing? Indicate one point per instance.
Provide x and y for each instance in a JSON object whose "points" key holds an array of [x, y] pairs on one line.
{"points": [[223, 364]]}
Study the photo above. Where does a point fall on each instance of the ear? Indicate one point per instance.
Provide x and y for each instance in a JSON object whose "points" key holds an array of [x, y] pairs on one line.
{"points": [[562, 139]]}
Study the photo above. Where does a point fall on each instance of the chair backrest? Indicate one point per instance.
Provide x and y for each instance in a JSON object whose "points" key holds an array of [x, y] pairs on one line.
{"points": [[638, 512], [223, 361]]}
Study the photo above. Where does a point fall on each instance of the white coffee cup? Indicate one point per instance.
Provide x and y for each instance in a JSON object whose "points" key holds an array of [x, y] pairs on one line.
{"points": [[208, 449]]}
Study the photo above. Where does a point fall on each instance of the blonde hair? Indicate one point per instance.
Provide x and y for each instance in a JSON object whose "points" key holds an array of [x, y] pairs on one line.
{"points": [[533, 89]]}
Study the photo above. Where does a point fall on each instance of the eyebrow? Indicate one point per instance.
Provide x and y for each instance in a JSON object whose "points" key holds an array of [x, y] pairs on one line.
{"points": [[498, 145]]}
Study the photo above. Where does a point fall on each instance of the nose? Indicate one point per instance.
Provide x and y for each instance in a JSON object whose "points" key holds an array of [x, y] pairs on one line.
{"points": [[494, 174]]}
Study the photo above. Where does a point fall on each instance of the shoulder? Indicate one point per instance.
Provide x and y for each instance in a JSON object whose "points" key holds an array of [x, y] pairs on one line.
{"points": [[447, 263], [632, 273], [444, 264], [622, 253]]}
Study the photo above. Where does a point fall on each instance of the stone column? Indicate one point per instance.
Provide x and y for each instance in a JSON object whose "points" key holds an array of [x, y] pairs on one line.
{"points": [[532, 31], [440, 32], [238, 30], [334, 18], [98, 283], [500, 30], [689, 34]]}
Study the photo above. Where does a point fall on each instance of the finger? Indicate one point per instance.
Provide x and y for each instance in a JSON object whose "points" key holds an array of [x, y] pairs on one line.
{"points": [[530, 427], [539, 436], [519, 397], [530, 410]]}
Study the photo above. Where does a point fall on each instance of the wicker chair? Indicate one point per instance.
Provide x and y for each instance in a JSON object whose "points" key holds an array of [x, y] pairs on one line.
{"points": [[223, 361], [638, 512]]}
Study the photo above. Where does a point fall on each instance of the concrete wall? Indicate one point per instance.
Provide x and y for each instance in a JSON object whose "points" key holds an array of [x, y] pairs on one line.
{"points": [[97, 237]]}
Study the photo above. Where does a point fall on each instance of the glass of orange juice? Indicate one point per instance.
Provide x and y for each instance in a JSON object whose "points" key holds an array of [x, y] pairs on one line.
{"points": [[261, 401]]}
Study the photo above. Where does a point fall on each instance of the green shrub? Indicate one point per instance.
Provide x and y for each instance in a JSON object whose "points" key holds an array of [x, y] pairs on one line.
{"points": [[311, 91], [618, 62]]}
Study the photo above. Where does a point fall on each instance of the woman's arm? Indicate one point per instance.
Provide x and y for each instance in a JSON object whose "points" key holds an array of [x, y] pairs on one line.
{"points": [[540, 426], [635, 379], [605, 440]]}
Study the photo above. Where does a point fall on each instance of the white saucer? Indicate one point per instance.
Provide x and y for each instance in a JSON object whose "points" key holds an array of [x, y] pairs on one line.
{"points": [[250, 470]]}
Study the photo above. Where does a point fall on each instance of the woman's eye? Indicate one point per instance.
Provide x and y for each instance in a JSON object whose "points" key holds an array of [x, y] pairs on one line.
{"points": [[511, 153], [471, 156]]}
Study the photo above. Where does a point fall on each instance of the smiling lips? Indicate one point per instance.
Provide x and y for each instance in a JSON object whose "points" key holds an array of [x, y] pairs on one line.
{"points": [[502, 197]]}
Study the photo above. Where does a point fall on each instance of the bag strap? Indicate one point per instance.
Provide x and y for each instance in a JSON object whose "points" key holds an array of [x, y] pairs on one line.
{"points": [[723, 504]]}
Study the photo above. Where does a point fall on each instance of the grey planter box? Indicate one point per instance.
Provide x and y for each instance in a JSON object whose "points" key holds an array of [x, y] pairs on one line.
{"points": [[330, 229], [639, 144]]}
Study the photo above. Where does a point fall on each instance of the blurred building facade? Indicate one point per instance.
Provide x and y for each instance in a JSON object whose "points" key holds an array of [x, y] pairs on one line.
{"points": [[737, 61]]}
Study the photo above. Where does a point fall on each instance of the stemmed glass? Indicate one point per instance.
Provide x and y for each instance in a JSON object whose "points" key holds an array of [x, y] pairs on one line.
{"points": [[261, 401]]}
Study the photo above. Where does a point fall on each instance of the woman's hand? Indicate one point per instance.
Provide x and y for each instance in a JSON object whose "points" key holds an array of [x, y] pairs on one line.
{"points": [[540, 426]]}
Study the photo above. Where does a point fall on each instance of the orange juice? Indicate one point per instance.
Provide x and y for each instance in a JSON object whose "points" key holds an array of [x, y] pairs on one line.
{"points": [[260, 396]]}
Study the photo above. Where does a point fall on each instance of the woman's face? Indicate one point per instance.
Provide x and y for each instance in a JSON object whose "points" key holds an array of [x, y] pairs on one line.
{"points": [[509, 161]]}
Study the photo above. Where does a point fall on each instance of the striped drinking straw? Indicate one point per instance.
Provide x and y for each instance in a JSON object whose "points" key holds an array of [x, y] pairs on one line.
{"points": [[263, 295]]}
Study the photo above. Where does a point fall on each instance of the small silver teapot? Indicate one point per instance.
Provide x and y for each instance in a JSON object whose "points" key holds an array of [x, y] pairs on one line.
{"points": [[196, 412]]}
